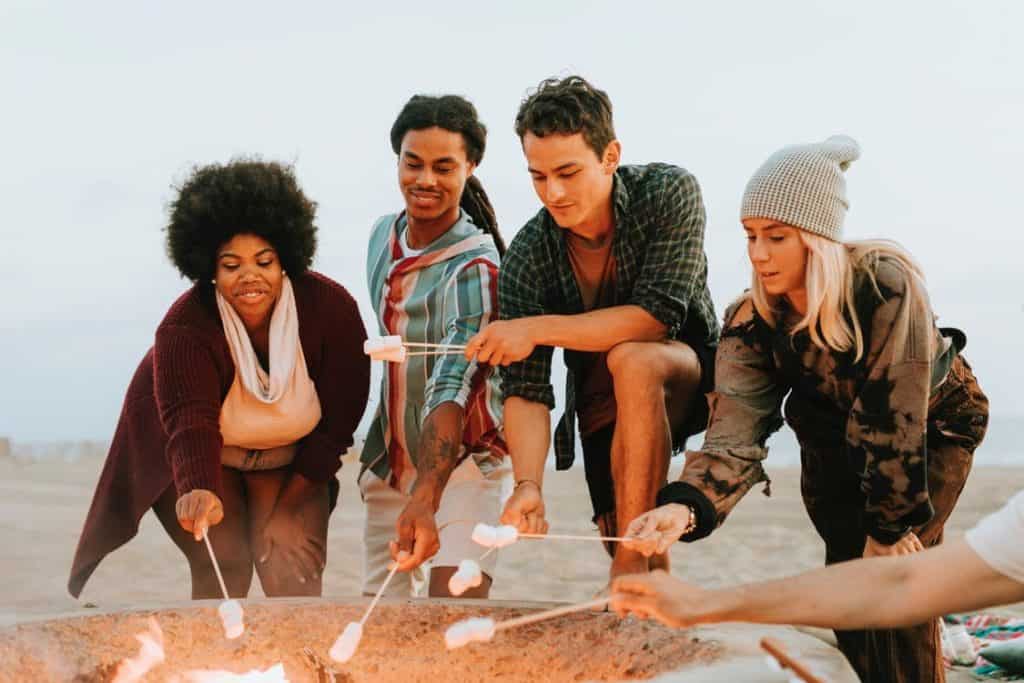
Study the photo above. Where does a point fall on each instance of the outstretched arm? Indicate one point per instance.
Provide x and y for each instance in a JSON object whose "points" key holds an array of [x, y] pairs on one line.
{"points": [[885, 592]]}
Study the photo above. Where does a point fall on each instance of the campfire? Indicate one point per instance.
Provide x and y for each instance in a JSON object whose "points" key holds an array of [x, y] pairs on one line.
{"points": [[404, 641]]}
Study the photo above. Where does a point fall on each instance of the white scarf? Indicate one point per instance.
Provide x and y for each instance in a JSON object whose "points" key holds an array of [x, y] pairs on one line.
{"points": [[286, 406]]}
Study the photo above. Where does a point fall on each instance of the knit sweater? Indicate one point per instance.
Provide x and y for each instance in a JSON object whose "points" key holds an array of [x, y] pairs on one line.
{"points": [[169, 429]]}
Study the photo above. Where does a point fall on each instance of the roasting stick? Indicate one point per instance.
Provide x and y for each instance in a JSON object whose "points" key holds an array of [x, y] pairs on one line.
{"points": [[506, 534], [775, 649], [574, 537], [230, 611], [216, 567], [427, 345], [483, 629], [345, 646]]}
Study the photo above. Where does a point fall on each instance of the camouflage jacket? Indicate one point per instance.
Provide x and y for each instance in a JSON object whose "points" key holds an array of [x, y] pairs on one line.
{"points": [[876, 409]]}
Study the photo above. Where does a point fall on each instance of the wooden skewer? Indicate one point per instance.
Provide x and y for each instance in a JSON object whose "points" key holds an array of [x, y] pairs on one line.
{"points": [[574, 537], [437, 352], [551, 613], [775, 649], [427, 345], [216, 567], [380, 592]]}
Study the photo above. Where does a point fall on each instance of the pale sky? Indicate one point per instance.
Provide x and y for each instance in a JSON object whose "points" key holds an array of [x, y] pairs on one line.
{"points": [[106, 104]]}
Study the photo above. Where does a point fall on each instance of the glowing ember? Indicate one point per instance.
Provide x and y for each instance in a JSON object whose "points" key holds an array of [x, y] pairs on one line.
{"points": [[274, 674], [150, 654]]}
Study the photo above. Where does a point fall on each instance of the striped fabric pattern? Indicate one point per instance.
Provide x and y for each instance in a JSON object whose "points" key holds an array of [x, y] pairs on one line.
{"points": [[444, 296]]}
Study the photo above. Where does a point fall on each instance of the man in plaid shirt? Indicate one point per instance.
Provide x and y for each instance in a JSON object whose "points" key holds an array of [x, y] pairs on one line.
{"points": [[612, 270]]}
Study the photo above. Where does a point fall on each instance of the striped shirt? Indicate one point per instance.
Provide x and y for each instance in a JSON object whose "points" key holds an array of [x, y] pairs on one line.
{"points": [[443, 295]]}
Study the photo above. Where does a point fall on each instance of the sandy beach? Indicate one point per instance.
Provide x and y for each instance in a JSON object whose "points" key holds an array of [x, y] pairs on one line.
{"points": [[43, 504]]}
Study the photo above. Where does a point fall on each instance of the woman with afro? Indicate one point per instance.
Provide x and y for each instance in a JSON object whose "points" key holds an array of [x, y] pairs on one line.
{"points": [[236, 418]]}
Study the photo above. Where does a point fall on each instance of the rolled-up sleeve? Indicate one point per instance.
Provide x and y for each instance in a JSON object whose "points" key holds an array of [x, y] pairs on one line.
{"points": [[470, 302], [745, 410], [675, 264], [520, 295]]}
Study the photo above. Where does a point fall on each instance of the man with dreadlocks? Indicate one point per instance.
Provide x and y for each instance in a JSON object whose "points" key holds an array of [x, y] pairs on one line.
{"points": [[435, 446], [612, 270]]}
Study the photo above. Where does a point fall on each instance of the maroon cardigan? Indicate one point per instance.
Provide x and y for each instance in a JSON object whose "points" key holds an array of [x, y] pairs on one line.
{"points": [[169, 429]]}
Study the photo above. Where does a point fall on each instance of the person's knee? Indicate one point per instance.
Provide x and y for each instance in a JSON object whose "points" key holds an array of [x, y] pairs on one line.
{"points": [[635, 363]]}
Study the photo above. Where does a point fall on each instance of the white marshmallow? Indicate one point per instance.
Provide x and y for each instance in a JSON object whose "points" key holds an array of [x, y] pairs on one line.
{"points": [[345, 646], [390, 355], [378, 344], [231, 615], [477, 629], [505, 535], [485, 535], [467, 576]]}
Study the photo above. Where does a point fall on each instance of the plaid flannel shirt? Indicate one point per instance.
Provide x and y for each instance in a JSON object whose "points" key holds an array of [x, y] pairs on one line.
{"points": [[660, 265]]}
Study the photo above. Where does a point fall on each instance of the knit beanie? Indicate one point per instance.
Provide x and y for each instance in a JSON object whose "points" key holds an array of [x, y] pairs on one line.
{"points": [[803, 186]]}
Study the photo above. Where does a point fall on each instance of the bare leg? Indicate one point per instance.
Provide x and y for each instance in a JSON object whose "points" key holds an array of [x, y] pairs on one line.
{"points": [[655, 385], [277, 576], [230, 541]]}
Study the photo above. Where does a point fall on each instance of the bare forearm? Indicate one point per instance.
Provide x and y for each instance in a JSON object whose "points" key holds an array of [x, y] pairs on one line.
{"points": [[528, 432], [598, 330], [438, 452], [876, 593]]}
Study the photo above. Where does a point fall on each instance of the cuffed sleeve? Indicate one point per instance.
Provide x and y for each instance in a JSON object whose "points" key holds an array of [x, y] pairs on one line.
{"points": [[745, 409]]}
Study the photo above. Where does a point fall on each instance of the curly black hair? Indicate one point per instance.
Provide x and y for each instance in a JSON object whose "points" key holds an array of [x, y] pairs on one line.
{"points": [[245, 196], [565, 107]]}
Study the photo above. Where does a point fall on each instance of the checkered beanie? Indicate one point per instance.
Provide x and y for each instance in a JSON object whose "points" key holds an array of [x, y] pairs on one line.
{"points": [[803, 186]]}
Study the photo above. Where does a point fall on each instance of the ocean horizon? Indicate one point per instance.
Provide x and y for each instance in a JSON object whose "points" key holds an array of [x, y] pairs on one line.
{"points": [[1003, 447]]}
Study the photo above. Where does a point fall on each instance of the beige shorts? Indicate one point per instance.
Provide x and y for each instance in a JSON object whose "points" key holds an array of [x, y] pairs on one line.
{"points": [[469, 497]]}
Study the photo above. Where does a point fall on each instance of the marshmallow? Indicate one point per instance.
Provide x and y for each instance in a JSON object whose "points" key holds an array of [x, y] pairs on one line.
{"points": [[379, 344], [495, 536], [230, 612], [345, 646], [467, 576], [477, 629], [485, 535], [389, 349], [505, 535]]}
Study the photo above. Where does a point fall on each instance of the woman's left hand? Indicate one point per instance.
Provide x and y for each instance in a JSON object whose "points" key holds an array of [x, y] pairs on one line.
{"points": [[286, 537], [905, 546]]}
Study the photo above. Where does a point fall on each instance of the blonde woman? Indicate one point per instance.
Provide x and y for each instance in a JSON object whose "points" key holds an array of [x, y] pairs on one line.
{"points": [[886, 410]]}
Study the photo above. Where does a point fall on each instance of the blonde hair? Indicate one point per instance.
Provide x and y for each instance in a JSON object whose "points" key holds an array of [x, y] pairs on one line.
{"points": [[831, 317]]}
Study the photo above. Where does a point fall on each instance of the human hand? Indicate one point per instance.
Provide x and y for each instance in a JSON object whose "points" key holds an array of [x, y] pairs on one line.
{"points": [[198, 510], [525, 509], [654, 532], [502, 342], [418, 539], [286, 538], [660, 596], [907, 545]]}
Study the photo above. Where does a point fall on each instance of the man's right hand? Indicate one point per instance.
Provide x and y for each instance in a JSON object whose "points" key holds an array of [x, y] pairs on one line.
{"points": [[525, 509], [418, 538], [660, 596], [198, 510]]}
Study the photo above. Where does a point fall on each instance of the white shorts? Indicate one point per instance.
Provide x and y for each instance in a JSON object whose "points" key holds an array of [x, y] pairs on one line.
{"points": [[468, 498]]}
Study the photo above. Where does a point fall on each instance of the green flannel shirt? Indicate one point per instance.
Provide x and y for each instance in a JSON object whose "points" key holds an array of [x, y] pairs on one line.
{"points": [[660, 265]]}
